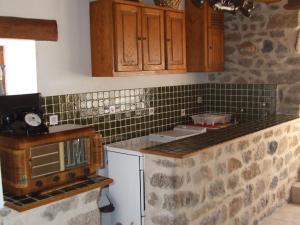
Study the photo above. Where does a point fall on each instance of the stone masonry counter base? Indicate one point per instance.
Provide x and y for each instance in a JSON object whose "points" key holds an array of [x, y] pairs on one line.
{"points": [[236, 183]]}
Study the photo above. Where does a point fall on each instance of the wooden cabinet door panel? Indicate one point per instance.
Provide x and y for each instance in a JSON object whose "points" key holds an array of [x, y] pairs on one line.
{"points": [[153, 39], [128, 46], [205, 38], [215, 49], [175, 39], [215, 18]]}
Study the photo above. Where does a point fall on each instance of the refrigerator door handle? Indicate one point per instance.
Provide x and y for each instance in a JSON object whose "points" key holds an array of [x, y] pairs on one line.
{"points": [[143, 220], [142, 190]]}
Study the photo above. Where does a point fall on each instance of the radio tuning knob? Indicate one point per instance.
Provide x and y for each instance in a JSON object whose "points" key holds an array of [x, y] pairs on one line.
{"points": [[87, 171], [72, 175], [56, 179], [39, 183]]}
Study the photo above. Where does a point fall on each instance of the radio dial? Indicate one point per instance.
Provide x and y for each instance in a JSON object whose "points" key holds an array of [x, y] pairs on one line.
{"points": [[56, 179], [39, 183]]}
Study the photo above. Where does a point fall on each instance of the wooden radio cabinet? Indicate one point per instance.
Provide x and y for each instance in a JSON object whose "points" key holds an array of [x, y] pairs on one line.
{"points": [[39, 163]]}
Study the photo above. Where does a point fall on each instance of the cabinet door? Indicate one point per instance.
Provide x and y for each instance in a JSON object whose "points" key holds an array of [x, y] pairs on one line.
{"points": [[215, 40], [125, 192], [175, 39], [153, 39], [128, 42], [215, 49]]}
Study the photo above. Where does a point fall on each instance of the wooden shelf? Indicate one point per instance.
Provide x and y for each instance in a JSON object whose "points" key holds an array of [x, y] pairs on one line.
{"points": [[31, 201], [24, 28]]}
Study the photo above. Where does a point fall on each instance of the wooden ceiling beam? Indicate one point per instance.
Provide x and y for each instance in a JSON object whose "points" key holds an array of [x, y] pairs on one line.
{"points": [[25, 28]]}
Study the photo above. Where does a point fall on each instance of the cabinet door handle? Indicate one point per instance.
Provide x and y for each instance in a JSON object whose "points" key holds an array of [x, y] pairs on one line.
{"points": [[168, 39], [144, 38], [139, 38]]}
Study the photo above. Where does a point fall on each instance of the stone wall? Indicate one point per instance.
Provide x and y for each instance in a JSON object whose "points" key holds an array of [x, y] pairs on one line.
{"points": [[236, 183], [81, 209], [265, 49]]}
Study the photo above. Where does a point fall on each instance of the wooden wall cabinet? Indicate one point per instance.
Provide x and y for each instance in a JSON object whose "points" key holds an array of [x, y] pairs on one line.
{"points": [[129, 38], [205, 38]]}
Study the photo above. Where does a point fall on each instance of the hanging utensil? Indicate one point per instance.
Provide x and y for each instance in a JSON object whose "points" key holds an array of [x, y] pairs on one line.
{"points": [[234, 6]]}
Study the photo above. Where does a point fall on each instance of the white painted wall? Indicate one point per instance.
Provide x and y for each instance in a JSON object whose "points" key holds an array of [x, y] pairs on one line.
{"points": [[65, 66], [20, 66]]}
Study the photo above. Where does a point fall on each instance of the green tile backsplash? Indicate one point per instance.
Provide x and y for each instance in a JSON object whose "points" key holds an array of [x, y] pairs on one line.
{"points": [[245, 101], [123, 114]]}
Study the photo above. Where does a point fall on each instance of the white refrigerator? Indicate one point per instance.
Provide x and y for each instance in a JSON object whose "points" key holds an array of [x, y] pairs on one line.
{"points": [[126, 168]]}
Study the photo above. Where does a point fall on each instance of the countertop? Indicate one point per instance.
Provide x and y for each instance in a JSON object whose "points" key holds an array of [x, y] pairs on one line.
{"points": [[188, 146], [134, 144]]}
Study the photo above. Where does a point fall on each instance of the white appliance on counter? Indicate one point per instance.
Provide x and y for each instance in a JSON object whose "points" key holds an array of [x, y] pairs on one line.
{"points": [[126, 168]]}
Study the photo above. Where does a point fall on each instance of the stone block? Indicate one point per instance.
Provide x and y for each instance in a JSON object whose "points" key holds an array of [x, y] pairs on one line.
{"points": [[273, 145], [52, 211], [233, 37], [267, 46], [180, 200], [293, 61], [267, 165], [189, 163], [293, 141], [260, 188], [244, 144], [274, 183], [260, 151], [234, 164], [279, 163], [252, 171], [91, 196], [206, 156], [288, 157], [233, 182], [256, 139], [216, 189], [217, 217], [247, 156], [235, 206], [180, 219], [221, 168], [205, 208], [245, 62], [297, 151], [166, 181], [89, 218], [283, 174], [247, 48], [283, 20], [203, 174], [248, 194], [295, 193], [268, 134], [153, 199], [277, 33]]}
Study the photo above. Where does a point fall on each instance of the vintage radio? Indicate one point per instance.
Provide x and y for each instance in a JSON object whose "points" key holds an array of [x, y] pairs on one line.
{"points": [[37, 163]]}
